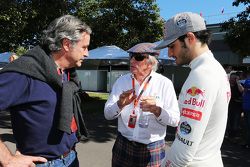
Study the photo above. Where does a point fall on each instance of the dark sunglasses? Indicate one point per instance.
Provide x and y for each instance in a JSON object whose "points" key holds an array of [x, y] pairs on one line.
{"points": [[138, 56]]}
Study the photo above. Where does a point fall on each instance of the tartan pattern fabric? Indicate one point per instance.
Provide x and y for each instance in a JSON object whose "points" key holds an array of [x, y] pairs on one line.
{"points": [[145, 48], [126, 153]]}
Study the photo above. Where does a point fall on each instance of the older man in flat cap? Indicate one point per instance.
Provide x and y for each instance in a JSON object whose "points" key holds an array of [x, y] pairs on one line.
{"points": [[144, 102]]}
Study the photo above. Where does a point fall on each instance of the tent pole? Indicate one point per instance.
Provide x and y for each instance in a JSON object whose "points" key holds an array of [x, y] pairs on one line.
{"points": [[110, 80], [172, 78]]}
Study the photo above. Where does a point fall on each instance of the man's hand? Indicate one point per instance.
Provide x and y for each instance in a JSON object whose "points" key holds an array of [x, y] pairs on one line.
{"points": [[148, 104], [126, 98], [19, 160]]}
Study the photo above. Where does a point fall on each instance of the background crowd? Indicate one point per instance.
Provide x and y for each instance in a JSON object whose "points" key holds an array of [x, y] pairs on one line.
{"points": [[239, 107]]}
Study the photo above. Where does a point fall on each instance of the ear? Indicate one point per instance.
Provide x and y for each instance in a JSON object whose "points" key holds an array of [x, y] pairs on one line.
{"points": [[191, 38], [66, 44], [150, 63]]}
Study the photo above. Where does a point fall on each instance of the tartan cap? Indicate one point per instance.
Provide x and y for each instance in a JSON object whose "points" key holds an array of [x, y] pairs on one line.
{"points": [[148, 48]]}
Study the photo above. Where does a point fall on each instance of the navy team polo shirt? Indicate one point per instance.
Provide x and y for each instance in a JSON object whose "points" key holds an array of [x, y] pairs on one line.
{"points": [[33, 105]]}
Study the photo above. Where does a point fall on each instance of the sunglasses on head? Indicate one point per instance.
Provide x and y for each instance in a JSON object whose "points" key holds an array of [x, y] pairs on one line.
{"points": [[138, 56]]}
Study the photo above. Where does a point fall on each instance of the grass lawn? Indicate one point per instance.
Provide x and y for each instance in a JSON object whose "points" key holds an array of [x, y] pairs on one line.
{"points": [[100, 96]]}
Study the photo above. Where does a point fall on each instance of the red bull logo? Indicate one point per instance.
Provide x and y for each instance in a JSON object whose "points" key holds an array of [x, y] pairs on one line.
{"points": [[194, 91], [194, 102]]}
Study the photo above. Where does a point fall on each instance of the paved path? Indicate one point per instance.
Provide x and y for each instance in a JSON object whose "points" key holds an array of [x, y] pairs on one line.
{"points": [[96, 152]]}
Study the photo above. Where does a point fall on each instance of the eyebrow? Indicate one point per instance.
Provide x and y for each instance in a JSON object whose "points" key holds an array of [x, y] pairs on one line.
{"points": [[171, 45]]}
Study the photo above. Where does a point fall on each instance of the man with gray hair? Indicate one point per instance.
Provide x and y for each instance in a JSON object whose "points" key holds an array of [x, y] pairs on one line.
{"points": [[45, 103], [204, 97], [144, 102]]}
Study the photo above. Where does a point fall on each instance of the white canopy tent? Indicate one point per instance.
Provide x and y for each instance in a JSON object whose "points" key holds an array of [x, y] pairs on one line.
{"points": [[4, 59], [246, 60], [107, 57], [114, 52], [108, 52]]}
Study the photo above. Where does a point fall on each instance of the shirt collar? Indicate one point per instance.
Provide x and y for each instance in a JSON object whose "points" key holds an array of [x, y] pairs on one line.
{"points": [[196, 61]]}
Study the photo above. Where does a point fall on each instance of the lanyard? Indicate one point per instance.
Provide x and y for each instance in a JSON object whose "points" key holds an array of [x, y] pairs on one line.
{"points": [[143, 90], [65, 76]]}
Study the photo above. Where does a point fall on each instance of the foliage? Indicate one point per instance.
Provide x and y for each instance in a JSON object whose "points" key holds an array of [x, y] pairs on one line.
{"points": [[20, 51], [122, 23], [12, 24], [98, 95], [238, 30], [22, 21]]}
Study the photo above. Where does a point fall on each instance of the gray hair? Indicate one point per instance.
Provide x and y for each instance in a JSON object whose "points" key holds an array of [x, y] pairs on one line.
{"points": [[66, 26], [154, 62]]}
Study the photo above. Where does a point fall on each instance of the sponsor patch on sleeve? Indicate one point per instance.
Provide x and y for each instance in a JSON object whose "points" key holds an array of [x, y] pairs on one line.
{"points": [[193, 114], [185, 128]]}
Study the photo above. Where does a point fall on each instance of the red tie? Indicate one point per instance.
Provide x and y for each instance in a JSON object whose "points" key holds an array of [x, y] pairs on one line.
{"points": [[73, 125]]}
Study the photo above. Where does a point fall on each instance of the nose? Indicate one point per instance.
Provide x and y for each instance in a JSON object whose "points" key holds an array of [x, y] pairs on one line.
{"points": [[132, 59], [86, 54]]}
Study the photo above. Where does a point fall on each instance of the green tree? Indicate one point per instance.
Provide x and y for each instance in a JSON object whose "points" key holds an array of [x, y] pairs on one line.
{"points": [[238, 27], [21, 21], [122, 22], [11, 24]]}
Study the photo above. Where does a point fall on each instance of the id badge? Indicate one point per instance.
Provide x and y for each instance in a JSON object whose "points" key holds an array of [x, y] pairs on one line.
{"points": [[143, 121], [132, 120]]}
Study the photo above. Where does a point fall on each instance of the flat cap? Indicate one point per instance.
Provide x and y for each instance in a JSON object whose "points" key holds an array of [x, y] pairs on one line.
{"points": [[145, 48]]}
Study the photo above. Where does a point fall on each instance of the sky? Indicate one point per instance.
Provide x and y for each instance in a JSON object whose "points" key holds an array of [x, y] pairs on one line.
{"points": [[211, 10]]}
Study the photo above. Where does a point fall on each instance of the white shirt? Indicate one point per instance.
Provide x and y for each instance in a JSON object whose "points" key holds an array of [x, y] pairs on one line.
{"points": [[203, 103], [162, 89]]}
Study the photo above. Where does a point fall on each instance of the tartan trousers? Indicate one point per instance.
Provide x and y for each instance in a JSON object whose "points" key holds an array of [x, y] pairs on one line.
{"points": [[127, 153]]}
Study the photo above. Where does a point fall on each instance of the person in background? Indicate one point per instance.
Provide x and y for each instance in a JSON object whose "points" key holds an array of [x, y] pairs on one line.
{"points": [[13, 57], [242, 76], [204, 97], [46, 125], [235, 107], [229, 69], [246, 108], [144, 102]]}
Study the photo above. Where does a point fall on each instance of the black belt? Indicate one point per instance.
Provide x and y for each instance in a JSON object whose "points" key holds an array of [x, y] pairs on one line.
{"points": [[137, 144], [134, 143]]}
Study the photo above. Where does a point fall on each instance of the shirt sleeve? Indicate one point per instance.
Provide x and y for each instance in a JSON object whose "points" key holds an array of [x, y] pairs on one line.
{"points": [[111, 109], [13, 89], [170, 114], [196, 102]]}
